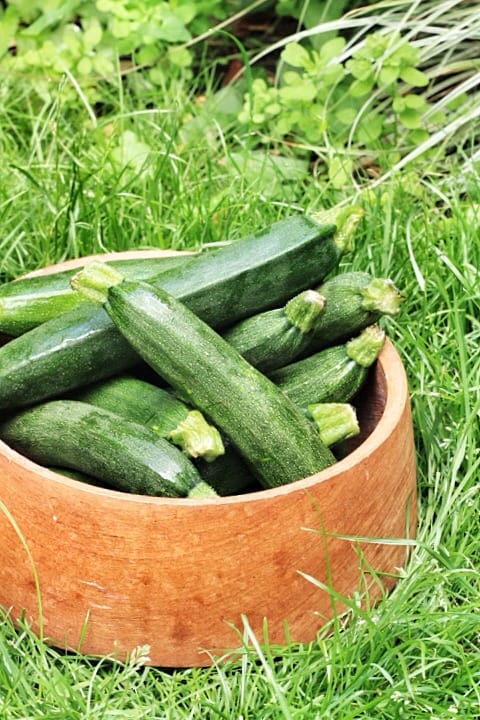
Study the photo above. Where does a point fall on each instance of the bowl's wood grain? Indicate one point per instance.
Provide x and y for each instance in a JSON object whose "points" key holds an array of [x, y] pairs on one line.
{"points": [[116, 571]]}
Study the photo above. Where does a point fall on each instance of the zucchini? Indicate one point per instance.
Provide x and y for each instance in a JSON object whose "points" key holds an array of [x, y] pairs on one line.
{"points": [[222, 286], [274, 437], [32, 300], [159, 410], [334, 374], [353, 300], [229, 474], [258, 272], [276, 337], [76, 348], [99, 443]]}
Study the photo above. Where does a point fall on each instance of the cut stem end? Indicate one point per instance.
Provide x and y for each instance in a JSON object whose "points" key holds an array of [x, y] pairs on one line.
{"points": [[94, 281]]}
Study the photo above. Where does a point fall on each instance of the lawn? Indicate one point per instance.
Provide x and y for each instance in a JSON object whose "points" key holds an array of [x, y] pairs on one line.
{"points": [[134, 164]]}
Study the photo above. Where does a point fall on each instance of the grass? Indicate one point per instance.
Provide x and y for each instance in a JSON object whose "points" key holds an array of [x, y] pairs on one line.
{"points": [[73, 182]]}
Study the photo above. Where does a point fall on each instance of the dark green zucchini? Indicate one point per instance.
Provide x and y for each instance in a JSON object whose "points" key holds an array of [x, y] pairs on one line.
{"points": [[334, 374], [76, 348], [279, 443], [229, 474], [222, 286], [30, 301], [126, 455], [353, 300], [159, 410], [260, 271], [276, 337]]}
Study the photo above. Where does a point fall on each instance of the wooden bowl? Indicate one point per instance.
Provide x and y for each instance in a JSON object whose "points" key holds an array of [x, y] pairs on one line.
{"points": [[103, 572]]}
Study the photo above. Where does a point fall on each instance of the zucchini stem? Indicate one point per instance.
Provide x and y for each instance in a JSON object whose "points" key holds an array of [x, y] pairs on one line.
{"points": [[364, 348], [346, 220], [197, 438], [335, 421], [381, 295], [304, 309], [94, 280]]}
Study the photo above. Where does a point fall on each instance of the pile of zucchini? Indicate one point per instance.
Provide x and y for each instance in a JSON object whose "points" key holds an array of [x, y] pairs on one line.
{"points": [[199, 375]]}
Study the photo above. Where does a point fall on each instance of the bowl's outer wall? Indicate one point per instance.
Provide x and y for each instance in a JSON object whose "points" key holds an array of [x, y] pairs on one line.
{"points": [[104, 572]]}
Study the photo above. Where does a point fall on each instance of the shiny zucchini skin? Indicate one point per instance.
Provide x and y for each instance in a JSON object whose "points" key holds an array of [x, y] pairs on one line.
{"points": [[274, 437], [222, 286], [64, 353], [99, 443], [30, 301]]}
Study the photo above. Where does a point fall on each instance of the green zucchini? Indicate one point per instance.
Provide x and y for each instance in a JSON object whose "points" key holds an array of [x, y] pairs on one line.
{"points": [[126, 455], [353, 300], [276, 337], [260, 271], [229, 474], [30, 301], [222, 286], [158, 409], [74, 349], [274, 437], [334, 374]]}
